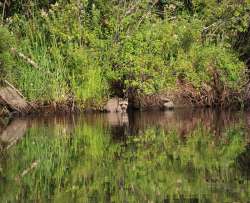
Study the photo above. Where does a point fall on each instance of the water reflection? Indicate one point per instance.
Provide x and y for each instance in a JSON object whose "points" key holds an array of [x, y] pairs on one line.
{"points": [[11, 133], [180, 156]]}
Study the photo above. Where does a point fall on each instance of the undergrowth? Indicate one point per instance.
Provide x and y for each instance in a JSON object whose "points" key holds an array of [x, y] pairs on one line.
{"points": [[89, 51]]}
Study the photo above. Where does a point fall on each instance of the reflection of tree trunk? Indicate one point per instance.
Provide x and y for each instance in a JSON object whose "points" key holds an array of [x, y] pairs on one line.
{"points": [[243, 162], [13, 132]]}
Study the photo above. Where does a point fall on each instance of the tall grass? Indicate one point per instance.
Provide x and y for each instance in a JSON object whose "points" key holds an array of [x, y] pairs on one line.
{"points": [[83, 50], [57, 76]]}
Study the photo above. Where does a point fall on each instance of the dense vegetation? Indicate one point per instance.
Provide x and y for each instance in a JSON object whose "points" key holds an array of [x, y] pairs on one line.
{"points": [[88, 50]]}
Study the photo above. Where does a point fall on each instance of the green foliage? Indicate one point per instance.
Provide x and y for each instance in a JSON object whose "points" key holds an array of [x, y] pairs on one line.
{"points": [[201, 62], [86, 75], [149, 61], [84, 47], [225, 20]]}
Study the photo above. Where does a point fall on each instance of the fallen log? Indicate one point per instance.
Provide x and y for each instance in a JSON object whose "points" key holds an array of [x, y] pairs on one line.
{"points": [[11, 97]]}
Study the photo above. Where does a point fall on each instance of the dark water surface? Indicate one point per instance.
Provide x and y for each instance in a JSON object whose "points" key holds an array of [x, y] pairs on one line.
{"points": [[180, 156]]}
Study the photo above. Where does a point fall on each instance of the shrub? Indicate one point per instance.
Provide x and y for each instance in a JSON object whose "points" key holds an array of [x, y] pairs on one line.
{"points": [[92, 49]]}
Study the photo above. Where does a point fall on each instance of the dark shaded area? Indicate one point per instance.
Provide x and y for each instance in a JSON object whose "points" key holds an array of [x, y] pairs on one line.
{"points": [[189, 5], [243, 162], [242, 45]]}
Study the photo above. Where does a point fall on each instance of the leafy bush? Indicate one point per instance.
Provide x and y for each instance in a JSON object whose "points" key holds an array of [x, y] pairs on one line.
{"points": [[93, 49], [155, 56], [201, 62], [85, 74]]}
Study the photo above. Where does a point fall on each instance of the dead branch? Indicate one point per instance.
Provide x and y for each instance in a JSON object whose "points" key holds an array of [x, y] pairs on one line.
{"points": [[26, 171], [32, 166], [25, 58], [9, 84]]}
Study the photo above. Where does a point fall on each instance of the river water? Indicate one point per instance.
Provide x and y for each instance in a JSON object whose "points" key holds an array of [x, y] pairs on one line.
{"points": [[175, 156]]}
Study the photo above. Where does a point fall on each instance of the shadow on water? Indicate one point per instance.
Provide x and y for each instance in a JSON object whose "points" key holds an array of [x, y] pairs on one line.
{"points": [[185, 155]]}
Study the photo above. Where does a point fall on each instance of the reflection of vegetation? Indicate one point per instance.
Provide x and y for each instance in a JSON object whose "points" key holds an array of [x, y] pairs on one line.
{"points": [[85, 165]]}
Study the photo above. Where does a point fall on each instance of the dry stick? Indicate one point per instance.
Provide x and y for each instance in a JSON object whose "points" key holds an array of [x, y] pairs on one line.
{"points": [[145, 15], [130, 10], [27, 59], [26, 171], [142, 18], [12, 143], [124, 15], [18, 92], [33, 165]]}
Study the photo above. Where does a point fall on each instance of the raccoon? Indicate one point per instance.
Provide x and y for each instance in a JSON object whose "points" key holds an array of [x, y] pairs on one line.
{"points": [[115, 105], [167, 103]]}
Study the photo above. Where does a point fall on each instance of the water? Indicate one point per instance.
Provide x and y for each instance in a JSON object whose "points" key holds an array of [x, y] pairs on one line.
{"points": [[180, 156]]}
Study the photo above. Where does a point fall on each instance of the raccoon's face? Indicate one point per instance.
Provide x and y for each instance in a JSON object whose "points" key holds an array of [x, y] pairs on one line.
{"points": [[123, 104]]}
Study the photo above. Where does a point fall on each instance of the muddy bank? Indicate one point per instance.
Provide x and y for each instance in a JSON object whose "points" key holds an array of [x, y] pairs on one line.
{"points": [[146, 103], [185, 96], [114, 104]]}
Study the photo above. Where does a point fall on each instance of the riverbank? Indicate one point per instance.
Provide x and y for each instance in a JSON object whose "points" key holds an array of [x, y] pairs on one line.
{"points": [[185, 99], [185, 96], [72, 57]]}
